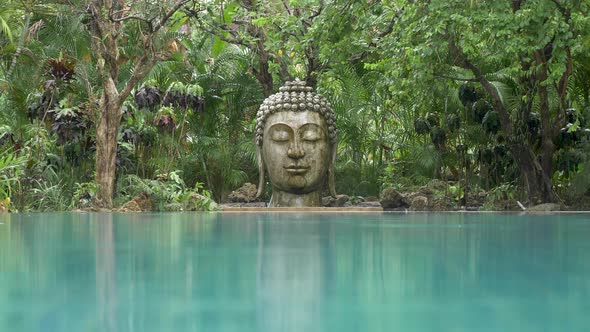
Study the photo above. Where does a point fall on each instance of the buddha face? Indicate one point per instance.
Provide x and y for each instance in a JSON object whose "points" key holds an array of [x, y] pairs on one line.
{"points": [[296, 151]]}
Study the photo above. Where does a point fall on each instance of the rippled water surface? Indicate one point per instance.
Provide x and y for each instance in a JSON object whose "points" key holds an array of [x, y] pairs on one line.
{"points": [[294, 272]]}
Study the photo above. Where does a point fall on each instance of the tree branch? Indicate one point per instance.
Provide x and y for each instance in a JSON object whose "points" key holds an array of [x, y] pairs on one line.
{"points": [[382, 34], [561, 88], [133, 17], [226, 39], [169, 14], [461, 60], [288, 32], [309, 21], [219, 31], [461, 79], [516, 5], [287, 7], [560, 6], [140, 70]]}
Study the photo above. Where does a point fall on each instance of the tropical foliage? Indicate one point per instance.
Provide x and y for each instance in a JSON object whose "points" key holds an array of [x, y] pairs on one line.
{"points": [[99, 97]]}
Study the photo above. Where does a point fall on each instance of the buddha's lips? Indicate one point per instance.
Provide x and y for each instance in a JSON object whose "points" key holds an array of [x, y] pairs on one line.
{"points": [[296, 169]]}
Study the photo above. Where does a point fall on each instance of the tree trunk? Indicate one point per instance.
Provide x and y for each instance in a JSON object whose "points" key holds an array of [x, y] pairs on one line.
{"points": [[265, 77], [263, 74], [106, 145], [313, 67], [106, 28], [547, 146], [537, 179], [538, 184]]}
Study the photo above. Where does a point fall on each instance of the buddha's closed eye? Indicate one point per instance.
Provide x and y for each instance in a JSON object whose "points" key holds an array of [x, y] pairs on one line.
{"points": [[280, 132], [311, 132], [311, 135], [280, 135]]}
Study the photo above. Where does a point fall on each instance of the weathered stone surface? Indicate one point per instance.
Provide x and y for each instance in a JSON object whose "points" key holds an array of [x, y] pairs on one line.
{"points": [[476, 199], [438, 185], [372, 204], [255, 204], [442, 204], [419, 203], [194, 203], [580, 203], [244, 205], [546, 207], [391, 199], [4, 206], [356, 199], [296, 141], [173, 207], [341, 200], [425, 191], [302, 209], [244, 194], [140, 203]]}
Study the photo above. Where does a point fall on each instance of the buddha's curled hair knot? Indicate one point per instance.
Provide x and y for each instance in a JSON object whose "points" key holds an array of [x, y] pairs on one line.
{"points": [[297, 97]]}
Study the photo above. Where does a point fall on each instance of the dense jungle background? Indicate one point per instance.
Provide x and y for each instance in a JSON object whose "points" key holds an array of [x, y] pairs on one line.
{"points": [[477, 101]]}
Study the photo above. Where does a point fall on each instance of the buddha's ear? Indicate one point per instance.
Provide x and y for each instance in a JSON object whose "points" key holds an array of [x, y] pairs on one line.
{"points": [[260, 171], [332, 170]]}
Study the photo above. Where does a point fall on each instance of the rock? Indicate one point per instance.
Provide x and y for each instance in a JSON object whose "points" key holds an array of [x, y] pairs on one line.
{"points": [[356, 199], [4, 205], [391, 199], [341, 200], [140, 203], [476, 199], [244, 194], [437, 185], [546, 207], [97, 209], [369, 204], [196, 203], [425, 191], [231, 205], [371, 199], [173, 207], [419, 203], [580, 203], [244, 205], [255, 204], [443, 203]]}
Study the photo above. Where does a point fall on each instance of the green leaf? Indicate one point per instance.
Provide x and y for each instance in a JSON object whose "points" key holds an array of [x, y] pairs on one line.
{"points": [[6, 29], [574, 127], [218, 46], [261, 21]]}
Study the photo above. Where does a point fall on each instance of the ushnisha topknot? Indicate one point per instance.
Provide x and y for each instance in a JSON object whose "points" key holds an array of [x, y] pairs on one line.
{"points": [[297, 97]]}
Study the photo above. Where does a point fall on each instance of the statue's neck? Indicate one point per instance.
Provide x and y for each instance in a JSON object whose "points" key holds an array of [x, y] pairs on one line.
{"points": [[286, 199]]}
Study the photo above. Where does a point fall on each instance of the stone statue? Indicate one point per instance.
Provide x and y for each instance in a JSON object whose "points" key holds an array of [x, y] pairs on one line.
{"points": [[296, 142]]}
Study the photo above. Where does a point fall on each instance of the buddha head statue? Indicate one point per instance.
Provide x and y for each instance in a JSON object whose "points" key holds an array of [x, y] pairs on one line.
{"points": [[296, 142]]}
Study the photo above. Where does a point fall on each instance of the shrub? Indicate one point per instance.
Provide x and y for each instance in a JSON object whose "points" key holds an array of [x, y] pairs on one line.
{"points": [[170, 193]]}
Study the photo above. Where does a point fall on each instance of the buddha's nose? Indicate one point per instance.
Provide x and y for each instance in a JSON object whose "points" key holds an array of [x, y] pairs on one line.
{"points": [[295, 150]]}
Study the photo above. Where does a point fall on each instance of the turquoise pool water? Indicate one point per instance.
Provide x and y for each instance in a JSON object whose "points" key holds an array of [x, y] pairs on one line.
{"points": [[294, 272]]}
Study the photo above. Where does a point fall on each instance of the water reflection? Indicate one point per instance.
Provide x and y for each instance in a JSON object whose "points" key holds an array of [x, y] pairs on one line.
{"points": [[106, 288], [289, 275], [293, 272]]}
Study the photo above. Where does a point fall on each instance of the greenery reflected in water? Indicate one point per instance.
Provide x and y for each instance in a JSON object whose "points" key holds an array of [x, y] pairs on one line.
{"points": [[293, 272]]}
